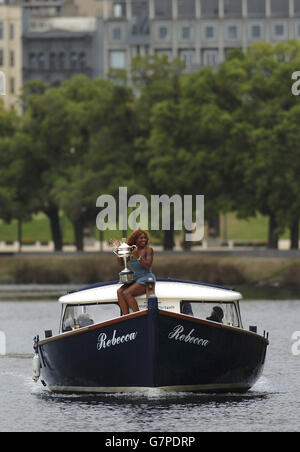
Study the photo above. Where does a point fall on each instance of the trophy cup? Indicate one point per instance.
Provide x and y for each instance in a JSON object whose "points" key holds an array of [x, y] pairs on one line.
{"points": [[123, 251]]}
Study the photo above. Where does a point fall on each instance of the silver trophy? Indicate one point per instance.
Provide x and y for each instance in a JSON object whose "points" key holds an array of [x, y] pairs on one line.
{"points": [[124, 251]]}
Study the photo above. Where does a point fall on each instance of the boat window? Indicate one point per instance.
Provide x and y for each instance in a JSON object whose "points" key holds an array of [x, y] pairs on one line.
{"points": [[80, 316], [203, 310]]}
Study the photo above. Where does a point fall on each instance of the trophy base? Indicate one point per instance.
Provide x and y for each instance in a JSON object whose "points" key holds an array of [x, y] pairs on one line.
{"points": [[126, 277]]}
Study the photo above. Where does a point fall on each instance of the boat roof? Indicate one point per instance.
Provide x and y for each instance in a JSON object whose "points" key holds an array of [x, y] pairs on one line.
{"points": [[166, 289]]}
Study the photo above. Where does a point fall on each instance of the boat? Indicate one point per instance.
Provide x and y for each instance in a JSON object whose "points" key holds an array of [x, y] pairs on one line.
{"points": [[170, 344]]}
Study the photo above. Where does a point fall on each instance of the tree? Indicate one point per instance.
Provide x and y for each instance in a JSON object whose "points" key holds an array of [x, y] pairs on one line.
{"points": [[9, 206], [102, 141], [259, 146], [43, 149], [157, 84]]}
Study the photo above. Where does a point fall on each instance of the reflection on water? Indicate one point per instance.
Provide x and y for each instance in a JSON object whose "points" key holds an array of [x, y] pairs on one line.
{"points": [[156, 411], [272, 405]]}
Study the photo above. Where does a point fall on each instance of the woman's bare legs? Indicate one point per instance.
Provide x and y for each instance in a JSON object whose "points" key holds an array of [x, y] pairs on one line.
{"points": [[122, 302], [132, 291]]}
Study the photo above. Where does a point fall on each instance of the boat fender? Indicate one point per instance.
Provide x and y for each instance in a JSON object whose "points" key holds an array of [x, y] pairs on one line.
{"points": [[36, 362], [36, 368]]}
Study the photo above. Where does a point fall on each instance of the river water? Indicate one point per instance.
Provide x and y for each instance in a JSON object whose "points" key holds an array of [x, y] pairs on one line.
{"points": [[272, 405]]}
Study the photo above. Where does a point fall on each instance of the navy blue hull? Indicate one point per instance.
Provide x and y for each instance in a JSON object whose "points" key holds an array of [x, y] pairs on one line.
{"points": [[153, 349]]}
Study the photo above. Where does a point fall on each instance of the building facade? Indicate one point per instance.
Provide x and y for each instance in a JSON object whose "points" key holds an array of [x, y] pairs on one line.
{"points": [[200, 32], [11, 25], [56, 39], [57, 49], [39, 8], [85, 8], [63, 8]]}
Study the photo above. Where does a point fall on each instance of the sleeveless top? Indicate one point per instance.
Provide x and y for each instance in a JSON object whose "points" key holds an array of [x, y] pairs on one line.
{"points": [[141, 275]]}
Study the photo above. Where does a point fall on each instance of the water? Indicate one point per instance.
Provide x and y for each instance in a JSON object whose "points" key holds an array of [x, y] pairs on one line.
{"points": [[272, 405]]}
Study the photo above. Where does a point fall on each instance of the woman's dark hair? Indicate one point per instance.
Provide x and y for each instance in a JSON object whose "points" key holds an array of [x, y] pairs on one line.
{"points": [[135, 235]]}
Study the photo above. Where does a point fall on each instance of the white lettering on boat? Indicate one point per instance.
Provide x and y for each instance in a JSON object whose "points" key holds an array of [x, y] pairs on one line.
{"points": [[178, 335], [104, 342]]}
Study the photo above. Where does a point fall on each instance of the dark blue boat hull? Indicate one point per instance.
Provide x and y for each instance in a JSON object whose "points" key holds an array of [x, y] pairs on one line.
{"points": [[153, 349]]}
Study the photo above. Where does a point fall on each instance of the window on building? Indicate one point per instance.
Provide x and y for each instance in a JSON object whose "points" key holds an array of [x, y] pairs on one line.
{"points": [[118, 59], [163, 8], [255, 31], [32, 60], [1, 30], [62, 60], [140, 8], [188, 56], [82, 60], [297, 7], [279, 8], [163, 32], [279, 31], [186, 33], [52, 60], [210, 8], [233, 8], [209, 32], [41, 61], [116, 33], [119, 9], [11, 58], [11, 31], [12, 85], [256, 8], [210, 57], [232, 32], [1, 57], [74, 60], [186, 9]]}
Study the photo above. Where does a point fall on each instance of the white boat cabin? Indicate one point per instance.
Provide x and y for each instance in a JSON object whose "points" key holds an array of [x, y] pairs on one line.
{"points": [[99, 303]]}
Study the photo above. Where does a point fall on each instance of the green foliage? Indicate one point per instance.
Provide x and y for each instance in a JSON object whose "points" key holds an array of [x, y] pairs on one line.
{"points": [[231, 134]]}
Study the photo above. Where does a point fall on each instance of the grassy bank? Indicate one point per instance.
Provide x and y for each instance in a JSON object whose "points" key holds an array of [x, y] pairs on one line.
{"points": [[228, 271], [38, 229]]}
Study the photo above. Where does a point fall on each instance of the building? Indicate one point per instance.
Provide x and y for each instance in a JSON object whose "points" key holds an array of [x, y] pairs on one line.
{"points": [[63, 8], [39, 8], [63, 38], [86, 8], [11, 25], [57, 49], [200, 32]]}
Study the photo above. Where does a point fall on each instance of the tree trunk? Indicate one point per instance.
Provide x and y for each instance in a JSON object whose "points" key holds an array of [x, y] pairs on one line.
{"points": [[20, 235], [53, 215], [169, 240], [78, 232], [294, 234], [187, 246], [273, 233]]}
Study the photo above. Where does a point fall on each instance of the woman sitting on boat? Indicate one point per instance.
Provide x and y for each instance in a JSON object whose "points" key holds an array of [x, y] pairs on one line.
{"points": [[140, 262]]}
